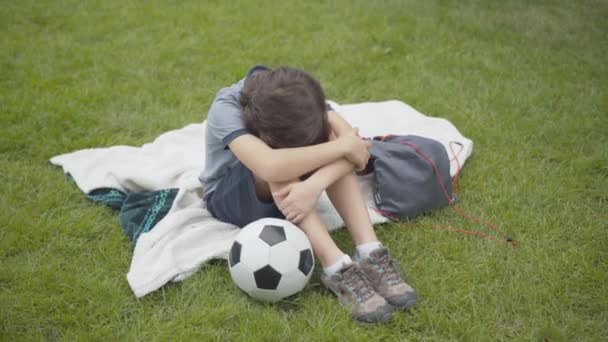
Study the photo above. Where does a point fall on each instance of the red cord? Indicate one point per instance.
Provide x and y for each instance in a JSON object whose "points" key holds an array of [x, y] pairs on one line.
{"points": [[456, 179], [507, 238]]}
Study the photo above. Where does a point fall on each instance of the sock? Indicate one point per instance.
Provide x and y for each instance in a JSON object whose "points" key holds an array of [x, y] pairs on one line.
{"points": [[338, 265], [364, 249]]}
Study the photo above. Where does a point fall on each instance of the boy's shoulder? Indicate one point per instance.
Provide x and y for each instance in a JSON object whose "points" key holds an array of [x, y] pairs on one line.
{"points": [[227, 99], [231, 93], [225, 117]]}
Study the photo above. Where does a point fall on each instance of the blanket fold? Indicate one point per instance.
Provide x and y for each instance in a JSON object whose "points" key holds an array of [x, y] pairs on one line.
{"points": [[157, 189]]}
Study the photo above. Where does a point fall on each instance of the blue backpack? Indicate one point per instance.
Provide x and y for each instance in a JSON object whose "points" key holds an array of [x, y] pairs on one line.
{"points": [[411, 176]]}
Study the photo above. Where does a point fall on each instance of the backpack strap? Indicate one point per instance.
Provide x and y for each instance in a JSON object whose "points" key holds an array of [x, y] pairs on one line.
{"points": [[451, 200]]}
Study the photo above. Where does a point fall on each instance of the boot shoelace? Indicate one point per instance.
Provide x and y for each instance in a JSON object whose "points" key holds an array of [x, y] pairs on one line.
{"points": [[390, 270], [358, 283]]}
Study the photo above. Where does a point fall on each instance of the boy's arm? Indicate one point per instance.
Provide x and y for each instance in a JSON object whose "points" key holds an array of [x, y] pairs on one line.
{"points": [[328, 174], [338, 125], [295, 200], [280, 165]]}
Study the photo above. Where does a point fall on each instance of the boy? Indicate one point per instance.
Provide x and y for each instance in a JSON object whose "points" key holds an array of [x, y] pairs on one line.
{"points": [[272, 149]]}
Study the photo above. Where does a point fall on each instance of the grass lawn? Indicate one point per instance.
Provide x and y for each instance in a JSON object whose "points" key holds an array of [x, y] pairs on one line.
{"points": [[527, 81]]}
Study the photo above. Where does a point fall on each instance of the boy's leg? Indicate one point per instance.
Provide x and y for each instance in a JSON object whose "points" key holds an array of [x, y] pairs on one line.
{"points": [[323, 245], [238, 200], [384, 273], [347, 198], [242, 197], [347, 280], [262, 189]]}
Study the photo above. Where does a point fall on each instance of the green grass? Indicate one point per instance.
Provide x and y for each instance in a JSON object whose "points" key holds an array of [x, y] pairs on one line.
{"points": [[527, 81]]}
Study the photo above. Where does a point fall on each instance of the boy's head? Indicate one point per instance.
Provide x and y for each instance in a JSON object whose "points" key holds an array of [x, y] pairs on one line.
{"points": [[285, 107]]}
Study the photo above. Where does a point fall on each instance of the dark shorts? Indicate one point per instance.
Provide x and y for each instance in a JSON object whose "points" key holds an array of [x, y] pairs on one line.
{"points": [[234, 199]]}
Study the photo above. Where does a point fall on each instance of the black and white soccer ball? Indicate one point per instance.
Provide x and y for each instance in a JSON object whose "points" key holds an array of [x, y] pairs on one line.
{"points": [[271, 259]]}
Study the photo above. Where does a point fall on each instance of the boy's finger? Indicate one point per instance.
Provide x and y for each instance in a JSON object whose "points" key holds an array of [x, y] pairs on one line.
{"points": [[361, 165], [287, 211], [282, 192], [291, 216]]}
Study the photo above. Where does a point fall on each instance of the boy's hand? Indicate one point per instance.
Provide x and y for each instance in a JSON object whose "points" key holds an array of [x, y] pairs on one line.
{"points": [[297, 199], [357, 149]]}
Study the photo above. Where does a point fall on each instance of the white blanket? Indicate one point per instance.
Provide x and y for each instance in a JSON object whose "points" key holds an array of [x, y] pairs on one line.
{"points": [[188, 235]]}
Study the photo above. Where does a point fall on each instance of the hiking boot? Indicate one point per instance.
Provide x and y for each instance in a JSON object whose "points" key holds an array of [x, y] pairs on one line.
{"points": [[355, 291], [386, 276]]}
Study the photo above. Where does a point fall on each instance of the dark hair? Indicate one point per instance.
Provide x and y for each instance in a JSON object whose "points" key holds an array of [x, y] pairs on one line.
{"points": [[285, 107]]}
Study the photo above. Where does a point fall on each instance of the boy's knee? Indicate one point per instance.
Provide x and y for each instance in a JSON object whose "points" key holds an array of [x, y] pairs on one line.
{"points": [[276, 186], [262, 189], [349, 182]]}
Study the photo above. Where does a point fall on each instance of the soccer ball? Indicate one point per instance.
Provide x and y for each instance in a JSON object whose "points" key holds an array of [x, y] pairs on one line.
{"points": [[271, 259]]}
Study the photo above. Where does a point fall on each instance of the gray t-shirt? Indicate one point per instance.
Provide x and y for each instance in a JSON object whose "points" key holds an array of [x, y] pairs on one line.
{"points": [[224, 124]]}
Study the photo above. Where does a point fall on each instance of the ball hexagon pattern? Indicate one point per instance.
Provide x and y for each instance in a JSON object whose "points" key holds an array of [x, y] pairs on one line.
{"points": [[271, 259]]}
